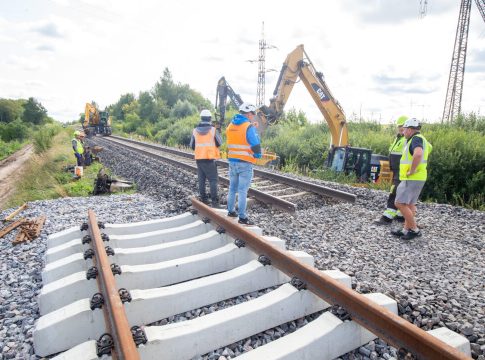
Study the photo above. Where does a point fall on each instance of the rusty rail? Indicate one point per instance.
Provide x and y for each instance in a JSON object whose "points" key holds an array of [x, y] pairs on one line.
{"points": [[382, 322], [260, 195], [117, 322]]}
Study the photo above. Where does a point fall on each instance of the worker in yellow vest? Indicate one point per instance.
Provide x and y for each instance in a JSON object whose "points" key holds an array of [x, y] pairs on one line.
{"points": [[412, 174], [78, 147], [243, 148], [395, 152], [206, 141]]}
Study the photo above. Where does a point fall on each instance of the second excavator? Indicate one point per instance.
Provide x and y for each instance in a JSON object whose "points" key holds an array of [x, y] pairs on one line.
{"points": [[95, 121]]}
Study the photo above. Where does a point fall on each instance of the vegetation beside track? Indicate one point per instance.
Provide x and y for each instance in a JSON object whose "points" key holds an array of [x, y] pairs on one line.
{"points": [[45, 176], [456, 167]]}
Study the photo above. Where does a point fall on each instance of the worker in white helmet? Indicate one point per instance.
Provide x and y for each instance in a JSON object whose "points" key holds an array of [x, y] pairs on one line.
{"points": [[206, 141]]}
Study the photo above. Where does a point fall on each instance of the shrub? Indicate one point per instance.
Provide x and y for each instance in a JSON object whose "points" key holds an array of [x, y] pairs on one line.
{"points": [[43, 137], [15, 130], [456, 165]]}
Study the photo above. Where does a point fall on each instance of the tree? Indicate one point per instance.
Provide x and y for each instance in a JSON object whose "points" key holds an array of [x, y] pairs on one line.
{"points": [[10, 110], [117, 109], [166, 89], [147, 109], [34, 112], [15, 130], [183, 109]]}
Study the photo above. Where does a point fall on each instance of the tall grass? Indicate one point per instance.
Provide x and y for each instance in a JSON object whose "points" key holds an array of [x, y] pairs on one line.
{"points": [[43, 138]]}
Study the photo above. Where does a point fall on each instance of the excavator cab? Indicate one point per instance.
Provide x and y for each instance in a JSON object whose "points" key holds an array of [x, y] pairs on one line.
{"points": [[351, 160]]}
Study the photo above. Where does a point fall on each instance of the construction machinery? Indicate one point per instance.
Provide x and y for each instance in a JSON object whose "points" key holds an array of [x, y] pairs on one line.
{"points": [[342, 157], [224, 90], [95, 121]]}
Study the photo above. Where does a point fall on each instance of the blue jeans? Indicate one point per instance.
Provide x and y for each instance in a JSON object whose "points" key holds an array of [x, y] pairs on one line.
{"points": [[240, 176]]}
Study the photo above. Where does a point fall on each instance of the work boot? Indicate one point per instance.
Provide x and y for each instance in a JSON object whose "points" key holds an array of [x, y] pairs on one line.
{"points": [[204, 199], [245, 221], [232, 214], [398, 232], [384, 220], [216, 205], [411, 234]]}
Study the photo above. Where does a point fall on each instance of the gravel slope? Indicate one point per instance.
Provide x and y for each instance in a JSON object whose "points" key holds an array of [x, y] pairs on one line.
{"points": [[438, 279]]}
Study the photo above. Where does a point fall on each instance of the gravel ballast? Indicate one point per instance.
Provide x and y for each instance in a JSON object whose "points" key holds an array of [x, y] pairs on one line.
{"points": [[437, 279]]}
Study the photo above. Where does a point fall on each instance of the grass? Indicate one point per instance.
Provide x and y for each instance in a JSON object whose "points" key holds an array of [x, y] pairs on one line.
{"points": [[44, 176], [8, 148]]}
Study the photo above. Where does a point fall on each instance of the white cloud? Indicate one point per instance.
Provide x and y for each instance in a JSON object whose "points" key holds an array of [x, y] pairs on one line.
{"points": [[377, 58]]}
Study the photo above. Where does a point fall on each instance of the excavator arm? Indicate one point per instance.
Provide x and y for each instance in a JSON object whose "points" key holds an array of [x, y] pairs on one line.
{"points": [[298, 66], [225, 90]]}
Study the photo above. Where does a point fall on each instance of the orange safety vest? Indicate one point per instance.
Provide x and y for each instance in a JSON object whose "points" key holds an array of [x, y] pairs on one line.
{"points": [[205, 145], [237, 144]]}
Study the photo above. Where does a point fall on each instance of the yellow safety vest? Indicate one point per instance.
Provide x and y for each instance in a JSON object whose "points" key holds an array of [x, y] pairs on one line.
{"points": [[205, 145], [421, 173], [79, 146]]}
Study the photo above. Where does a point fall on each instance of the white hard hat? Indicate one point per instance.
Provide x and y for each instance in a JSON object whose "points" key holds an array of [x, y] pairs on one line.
{"points": [[247, 107], [412, 123], [205, 113]]}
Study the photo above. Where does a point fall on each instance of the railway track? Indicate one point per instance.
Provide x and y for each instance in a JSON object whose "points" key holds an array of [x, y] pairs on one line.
{"points": [[270, 188], [108, 287]]}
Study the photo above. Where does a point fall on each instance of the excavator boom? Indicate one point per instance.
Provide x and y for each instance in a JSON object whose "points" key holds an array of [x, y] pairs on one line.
{"points": [[298, 66]]}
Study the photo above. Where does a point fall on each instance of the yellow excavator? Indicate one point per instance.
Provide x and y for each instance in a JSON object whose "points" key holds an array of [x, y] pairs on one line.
{"points": [[342, 157], [95, 121]]}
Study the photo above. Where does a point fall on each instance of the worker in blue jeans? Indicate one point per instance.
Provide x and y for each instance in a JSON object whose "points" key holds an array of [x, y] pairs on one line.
{"points": [[243, 148]]}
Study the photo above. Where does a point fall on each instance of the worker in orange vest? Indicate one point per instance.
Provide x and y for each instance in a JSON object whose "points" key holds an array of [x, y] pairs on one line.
{"points": [[243, 148], [206, 141]]}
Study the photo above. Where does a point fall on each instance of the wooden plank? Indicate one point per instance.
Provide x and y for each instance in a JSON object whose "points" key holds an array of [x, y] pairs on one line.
{"points": [[11, 227], [12, 215]]}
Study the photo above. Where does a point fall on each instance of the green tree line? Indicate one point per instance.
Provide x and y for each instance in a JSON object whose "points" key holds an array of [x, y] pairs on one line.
{"points": [[19, 120]]}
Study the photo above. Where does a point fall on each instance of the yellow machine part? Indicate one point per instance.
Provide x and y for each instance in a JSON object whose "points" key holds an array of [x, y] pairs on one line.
{"points": [[268, 158], [385, 173]]}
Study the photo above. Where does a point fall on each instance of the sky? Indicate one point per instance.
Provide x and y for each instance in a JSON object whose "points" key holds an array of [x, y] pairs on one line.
{"points": [[379, 58]]}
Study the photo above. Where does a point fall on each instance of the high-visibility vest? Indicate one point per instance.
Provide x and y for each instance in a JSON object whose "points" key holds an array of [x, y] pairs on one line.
{"points": [[407, 159], [395, 152], [237, 144], [205, 145], [79, 146], [397, 145]]}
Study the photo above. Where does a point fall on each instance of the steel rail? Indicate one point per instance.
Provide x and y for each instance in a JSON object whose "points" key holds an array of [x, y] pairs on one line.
{"points": [[118, 325], [304, 185], [377, 319], [260, 195]]}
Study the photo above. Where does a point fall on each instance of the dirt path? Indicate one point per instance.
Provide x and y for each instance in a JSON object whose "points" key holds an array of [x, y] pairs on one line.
{"points": [[10, 170]]}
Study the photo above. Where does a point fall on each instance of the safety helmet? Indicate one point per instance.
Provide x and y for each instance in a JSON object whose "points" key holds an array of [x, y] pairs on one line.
{"points": [[401, 120], [205, 113], [412, 123], [247, 108], [77, 133]]}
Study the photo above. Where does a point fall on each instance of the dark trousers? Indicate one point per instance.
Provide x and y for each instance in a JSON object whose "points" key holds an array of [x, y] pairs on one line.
{"points": [[207, 169], [392, 193], [79, 160]]}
